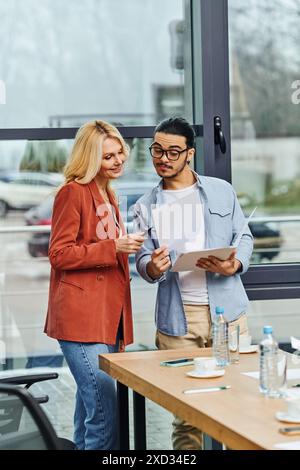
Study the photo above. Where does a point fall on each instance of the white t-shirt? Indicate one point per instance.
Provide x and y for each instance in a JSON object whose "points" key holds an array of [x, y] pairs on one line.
{"points": [[189, 237]]}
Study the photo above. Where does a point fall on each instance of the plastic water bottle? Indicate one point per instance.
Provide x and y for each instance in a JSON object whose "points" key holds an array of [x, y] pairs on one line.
{"points": [[268, 349], [220, 338]]}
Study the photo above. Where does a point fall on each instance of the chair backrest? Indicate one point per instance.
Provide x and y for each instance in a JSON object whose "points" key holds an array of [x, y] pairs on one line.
{"points": [[33, 430]]}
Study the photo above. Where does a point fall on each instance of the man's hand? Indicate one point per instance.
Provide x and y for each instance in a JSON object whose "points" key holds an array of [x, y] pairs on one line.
{"points": [[160, 262], [214, 265]]}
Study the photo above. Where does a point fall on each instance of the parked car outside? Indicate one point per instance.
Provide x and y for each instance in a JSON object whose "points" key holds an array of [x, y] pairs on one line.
{"points": [[38, 244], [267, 241], [23, 190]]}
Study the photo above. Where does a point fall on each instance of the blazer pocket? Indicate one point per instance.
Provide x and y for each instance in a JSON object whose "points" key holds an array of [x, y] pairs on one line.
{"points": [[70, 279], [71, 284]]}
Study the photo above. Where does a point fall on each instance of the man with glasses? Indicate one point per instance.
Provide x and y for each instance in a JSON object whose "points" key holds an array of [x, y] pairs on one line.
{"points": [[207, 215]]}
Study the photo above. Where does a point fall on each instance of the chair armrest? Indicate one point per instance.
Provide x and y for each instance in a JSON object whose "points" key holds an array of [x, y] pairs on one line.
{"points": [[28, 380], [41, 398], [12, 401]]}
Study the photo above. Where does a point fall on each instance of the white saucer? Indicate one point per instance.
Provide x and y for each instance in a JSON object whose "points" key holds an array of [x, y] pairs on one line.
{"points": [[282, 416], [250, 349], [208, 374]]}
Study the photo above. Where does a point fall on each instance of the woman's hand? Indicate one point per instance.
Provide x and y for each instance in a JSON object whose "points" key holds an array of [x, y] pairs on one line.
{"points": [[214, 265], [129, 243]]}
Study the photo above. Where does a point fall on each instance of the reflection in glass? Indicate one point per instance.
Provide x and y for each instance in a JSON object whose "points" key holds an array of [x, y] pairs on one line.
{"points": [[264, 62], [65, 63]]}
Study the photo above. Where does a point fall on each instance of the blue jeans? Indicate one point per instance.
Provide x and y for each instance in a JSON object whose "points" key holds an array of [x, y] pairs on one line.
{"points": [[95, 418]]}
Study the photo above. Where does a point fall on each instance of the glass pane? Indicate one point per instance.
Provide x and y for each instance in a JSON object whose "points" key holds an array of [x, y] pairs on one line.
{"points": [[264, 64], [24, 266], [28, 182], [68, 62], [283, 315], [25, 222]]}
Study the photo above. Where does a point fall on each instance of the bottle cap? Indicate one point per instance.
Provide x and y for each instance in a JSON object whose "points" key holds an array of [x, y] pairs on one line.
{"points": [[219, 310], [268, 329]]}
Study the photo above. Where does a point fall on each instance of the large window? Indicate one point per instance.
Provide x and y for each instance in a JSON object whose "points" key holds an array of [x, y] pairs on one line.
{"points": [[62, 65], [65, 62], [265, 127], [265, 156]]}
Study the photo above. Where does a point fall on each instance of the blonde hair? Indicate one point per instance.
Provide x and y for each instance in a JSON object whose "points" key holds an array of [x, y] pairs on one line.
{"points": [[86, 155]]}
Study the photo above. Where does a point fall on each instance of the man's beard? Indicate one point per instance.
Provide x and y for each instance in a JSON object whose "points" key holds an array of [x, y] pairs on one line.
{"points": [[180, 170]]}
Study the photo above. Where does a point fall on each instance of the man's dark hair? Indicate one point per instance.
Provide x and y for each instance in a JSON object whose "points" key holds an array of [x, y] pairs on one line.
{"points": [[177, 126]]}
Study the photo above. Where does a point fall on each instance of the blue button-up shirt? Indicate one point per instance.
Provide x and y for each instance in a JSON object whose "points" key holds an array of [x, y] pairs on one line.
{"points": [[223, 219]]}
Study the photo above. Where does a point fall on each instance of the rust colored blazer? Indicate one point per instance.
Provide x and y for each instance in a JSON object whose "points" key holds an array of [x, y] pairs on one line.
{"points": [[89, 281]]}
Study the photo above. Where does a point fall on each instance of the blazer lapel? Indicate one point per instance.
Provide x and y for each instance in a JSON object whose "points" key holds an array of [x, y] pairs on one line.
{"points": [[100, 208], [123, 258], [97, 199], [104, 216]]}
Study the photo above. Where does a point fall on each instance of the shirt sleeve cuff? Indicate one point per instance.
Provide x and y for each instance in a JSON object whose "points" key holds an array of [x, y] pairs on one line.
{"points": [[142, 269], [244, 264]]}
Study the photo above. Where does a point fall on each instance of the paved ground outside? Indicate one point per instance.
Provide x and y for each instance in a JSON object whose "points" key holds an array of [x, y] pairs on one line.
{"points": [[60, 409]]}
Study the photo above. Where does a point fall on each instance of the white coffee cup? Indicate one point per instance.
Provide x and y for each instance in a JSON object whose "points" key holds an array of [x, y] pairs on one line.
{"points": [[293, 407], [204, 364], [245, 341]]}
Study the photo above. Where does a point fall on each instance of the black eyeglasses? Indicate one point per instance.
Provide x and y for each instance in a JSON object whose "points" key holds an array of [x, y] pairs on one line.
{"points": [[172, 154]]}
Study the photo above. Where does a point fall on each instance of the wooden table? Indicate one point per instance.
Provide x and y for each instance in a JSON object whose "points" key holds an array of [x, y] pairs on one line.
{"points": [[240, 417]]}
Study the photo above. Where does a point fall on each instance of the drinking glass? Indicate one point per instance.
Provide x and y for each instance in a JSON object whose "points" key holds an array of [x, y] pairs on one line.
{"points": [[234, 338]]}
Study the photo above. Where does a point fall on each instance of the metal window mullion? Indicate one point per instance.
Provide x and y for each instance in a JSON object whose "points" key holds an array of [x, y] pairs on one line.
{"points": [[272, 274], [216, 92], [49, 133], [272, 282]]}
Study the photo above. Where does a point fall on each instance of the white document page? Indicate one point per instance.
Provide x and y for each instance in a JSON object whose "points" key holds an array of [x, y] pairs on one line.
{"points": [[164, 217], [169, 222], [187, 261]]}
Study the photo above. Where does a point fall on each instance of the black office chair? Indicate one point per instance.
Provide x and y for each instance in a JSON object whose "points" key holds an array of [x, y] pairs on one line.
{"points": [[18, 408], [12, 424]]}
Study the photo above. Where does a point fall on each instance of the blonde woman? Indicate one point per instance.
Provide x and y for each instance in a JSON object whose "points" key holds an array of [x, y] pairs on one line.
{"points": [[89, 310]]}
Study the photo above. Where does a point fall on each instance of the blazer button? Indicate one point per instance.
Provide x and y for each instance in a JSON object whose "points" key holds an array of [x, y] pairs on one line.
{"points": [[100, 277]]}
